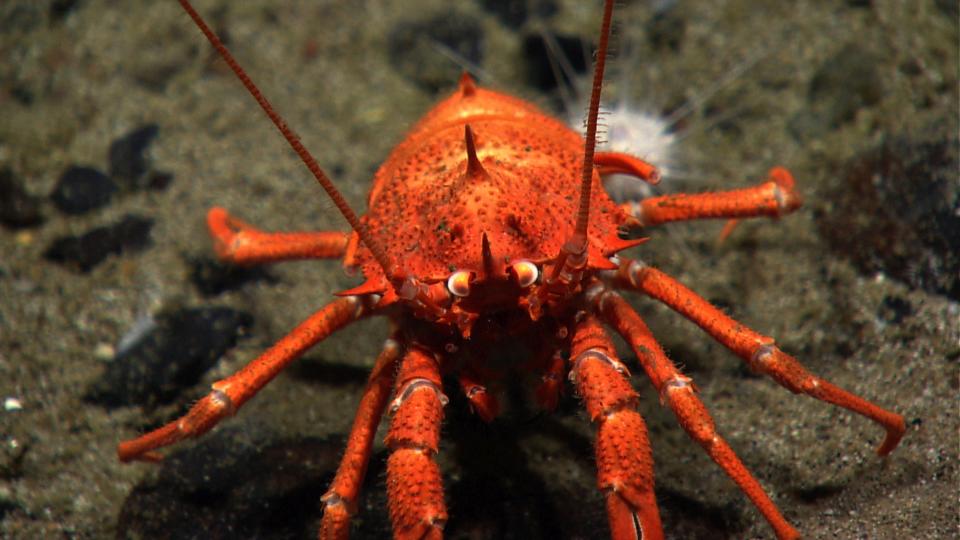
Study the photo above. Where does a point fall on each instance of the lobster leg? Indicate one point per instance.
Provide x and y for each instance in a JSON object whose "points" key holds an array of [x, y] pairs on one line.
{"points": [[341, 499], [551, 382], [620, 163], [238, 242], [231, 393], [414, 486], [775, 197], [483, 403], [624, 458], [678, 392], [757, 350]]}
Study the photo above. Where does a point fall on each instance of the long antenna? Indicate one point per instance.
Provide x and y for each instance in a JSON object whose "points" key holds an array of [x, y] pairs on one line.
{"points": [[590, 140], [292, 139]]}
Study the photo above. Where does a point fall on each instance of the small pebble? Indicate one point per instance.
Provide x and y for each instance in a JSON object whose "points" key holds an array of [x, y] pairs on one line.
{"points": [[171, 354], [24, 238], [12, 404], [84, 252], [82, 189], [127, 155], [17, 208], [212, 277], [104, 352]]}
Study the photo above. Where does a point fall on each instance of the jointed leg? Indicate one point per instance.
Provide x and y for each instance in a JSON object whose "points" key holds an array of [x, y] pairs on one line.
{"points": [[240, 243], [775, 197], [620, 163], [624, 458], [482, 402], [551, 382], [414, 486], [340, 500], [231, 393], [678, 392], [756, 349]]}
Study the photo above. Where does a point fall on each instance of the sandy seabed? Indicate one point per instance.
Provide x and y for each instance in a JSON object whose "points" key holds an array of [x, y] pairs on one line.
{"points": [[75, 76]]}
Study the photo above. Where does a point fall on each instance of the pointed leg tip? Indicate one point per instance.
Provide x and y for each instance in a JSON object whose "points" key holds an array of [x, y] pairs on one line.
{"points": [[894, 434], [126, 454]]}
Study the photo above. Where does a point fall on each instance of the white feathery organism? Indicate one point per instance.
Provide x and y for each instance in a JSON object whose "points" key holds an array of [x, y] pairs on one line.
{"points": [[624, 127], [636, 128], [641, 133]]}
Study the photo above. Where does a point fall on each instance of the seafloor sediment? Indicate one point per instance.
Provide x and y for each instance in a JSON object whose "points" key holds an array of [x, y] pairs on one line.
{"points": [[118, 129]]}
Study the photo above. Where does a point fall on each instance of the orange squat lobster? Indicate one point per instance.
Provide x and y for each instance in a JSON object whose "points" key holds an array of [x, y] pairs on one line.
{"points": [[469, 240]]}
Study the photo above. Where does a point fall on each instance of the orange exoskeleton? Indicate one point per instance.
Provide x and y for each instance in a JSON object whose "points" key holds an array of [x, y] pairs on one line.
{"points": [[489, 221]]}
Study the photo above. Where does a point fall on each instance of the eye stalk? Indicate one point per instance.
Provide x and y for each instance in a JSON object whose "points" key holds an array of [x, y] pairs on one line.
{"points": [[525, 272], [459, 283]]}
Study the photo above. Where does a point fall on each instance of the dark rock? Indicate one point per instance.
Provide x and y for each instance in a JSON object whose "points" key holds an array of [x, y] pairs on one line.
{"points": [[894, 309], [227, 487], [849, 79], [12, 458], [59, 9], [7, 506], [897, 210], [159, 180], [513, 13], [950, 8], [82, 189], [17, 208], [22, 93], [212, 277], [666, 29], [540, 55], [162, 356], [414, 48], [21, 18], [128, 164], [155, 75], [132, 233], [841, 86]]}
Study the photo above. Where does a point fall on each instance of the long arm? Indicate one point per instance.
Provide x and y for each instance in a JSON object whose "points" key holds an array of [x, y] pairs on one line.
{"points": [[757, 350], [679, 393], [624, 457], [340, 500], [775, 197], [414, 485], [231, 393], [240, 243]]}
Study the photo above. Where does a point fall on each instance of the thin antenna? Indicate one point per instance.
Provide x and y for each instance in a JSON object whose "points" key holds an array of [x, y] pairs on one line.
{"points": [[292, 139], [590, 140]]}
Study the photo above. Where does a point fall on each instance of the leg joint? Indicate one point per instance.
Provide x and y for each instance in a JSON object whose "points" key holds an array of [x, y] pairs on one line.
{"points": [[596, 354], [332, 499], [633, 272], [675, 383], [412, 386]]}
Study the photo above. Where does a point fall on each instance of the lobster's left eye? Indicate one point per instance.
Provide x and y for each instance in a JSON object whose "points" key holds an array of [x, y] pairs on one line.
{"points": [[459, 283], [525, 272]]}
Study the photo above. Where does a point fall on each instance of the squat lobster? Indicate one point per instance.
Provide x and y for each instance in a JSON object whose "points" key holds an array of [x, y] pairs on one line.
{"points": [[468, 242]]}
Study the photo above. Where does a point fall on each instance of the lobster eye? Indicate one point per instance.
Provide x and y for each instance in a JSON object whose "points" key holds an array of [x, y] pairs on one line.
{"points": [[459, 283], [526, 273]]}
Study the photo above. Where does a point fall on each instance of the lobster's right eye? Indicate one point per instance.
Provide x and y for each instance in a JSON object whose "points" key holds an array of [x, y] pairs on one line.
{"points": [[459, 283]]}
